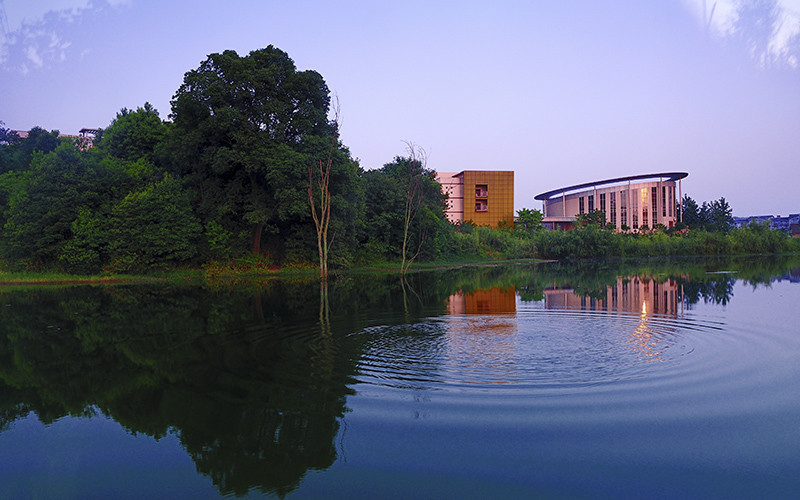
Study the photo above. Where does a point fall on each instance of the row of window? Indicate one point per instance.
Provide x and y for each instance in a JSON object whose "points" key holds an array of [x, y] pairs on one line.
{"points": [[667, 193]]}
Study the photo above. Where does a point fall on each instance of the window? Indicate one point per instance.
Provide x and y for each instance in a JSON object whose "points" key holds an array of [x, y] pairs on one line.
{"points": [[481, 206], [664, 201], [623, 208], [655, 206], [603, 202], [591, 203], [671, 201], [580, 206], [613, 201], [481, 190]]}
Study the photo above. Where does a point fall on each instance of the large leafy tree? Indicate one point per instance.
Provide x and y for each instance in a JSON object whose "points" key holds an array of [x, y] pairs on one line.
{"points": [[243, 131], [720, 216], [134, 135], [388, 193], [714, 216], [38, 219], [691, 214]]}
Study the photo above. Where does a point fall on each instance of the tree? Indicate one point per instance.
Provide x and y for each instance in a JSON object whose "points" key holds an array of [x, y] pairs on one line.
{"points": [[530, 220], [388, 192], [40, 213], [323, 219], [38, 140], [154, 226], [413, 202], [690, 213], [7, 136], [241, 128], [593, 218], [720, 216], [134, 135], [8, 141], [714, 216]]}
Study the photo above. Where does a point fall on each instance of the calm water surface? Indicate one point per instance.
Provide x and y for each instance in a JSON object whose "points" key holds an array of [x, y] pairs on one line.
{"points": [[591, 380]]}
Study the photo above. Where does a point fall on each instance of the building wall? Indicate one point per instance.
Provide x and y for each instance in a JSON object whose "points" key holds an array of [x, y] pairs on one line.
{"points": [[453, 186], [634, 204], [486, 198]]}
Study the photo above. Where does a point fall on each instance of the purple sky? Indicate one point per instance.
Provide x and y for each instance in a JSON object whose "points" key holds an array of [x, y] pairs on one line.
{"points": [[560, 92]]}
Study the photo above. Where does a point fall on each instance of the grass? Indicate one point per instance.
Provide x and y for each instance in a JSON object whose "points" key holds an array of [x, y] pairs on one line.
{"points": [[219, 274]]}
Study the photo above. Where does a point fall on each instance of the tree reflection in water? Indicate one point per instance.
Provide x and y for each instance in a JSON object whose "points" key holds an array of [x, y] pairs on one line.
{"points": [[220, 370]]}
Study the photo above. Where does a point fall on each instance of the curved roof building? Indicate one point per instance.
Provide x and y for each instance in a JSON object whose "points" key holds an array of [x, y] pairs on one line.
{"points": [[629, 203]]}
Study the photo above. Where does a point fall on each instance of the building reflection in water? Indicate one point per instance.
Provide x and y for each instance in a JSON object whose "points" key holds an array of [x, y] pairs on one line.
{"points": [[630, 294], [490, 301], [645, 297], [481, 343]]}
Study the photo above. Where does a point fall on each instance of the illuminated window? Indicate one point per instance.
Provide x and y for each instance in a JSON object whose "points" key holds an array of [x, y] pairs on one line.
{"points": [[655, 206]]}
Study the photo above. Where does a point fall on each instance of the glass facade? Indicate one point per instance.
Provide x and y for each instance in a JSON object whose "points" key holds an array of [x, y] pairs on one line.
{"points": [[654, 205], [603, 204], [625, 204], [613, 200]]}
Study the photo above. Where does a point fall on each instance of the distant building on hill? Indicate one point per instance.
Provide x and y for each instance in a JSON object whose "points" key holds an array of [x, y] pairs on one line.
{"points": [[483, 197], [84, 140], [629, 203], [775, 221]]}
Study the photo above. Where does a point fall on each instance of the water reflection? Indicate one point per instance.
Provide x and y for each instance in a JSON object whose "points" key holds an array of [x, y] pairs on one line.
{"points": [[254, 379], [495, 300], [219, 370], [634, 294]]}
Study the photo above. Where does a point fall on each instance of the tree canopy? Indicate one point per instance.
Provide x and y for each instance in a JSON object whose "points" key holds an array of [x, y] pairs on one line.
{"points": [[245, 131], [714, 216]]}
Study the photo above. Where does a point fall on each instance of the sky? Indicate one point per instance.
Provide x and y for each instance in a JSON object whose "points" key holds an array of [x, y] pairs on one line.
{"points": [[561, 92]]}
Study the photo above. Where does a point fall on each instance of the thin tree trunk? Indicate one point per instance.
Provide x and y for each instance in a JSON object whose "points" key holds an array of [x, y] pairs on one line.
{"points": [[257, 231], [323, 218]]}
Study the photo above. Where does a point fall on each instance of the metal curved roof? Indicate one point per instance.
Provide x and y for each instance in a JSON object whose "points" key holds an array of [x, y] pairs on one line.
{"points": [[669, 176]]}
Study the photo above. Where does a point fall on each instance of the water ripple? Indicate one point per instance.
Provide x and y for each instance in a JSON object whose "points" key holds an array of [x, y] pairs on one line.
{"points": [[533, 350]]}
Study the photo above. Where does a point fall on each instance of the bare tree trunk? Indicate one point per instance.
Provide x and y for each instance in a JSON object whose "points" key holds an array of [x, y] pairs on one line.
{"points": [[417, 161], [323, 218]]}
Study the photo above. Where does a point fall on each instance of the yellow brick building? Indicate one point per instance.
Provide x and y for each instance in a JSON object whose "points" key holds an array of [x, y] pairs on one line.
{"points": [[483, 197]]}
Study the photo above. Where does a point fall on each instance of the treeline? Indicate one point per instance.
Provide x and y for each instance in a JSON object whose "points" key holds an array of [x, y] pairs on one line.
{"points": [[228, 182], [598, 240]]}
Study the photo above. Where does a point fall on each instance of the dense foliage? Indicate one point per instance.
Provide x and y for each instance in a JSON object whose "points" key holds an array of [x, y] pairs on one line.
{"points": [[591, 241], [225, 184]]}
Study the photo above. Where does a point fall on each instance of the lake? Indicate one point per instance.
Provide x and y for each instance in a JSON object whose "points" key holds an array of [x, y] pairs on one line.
{"points": [[596, 379]]}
